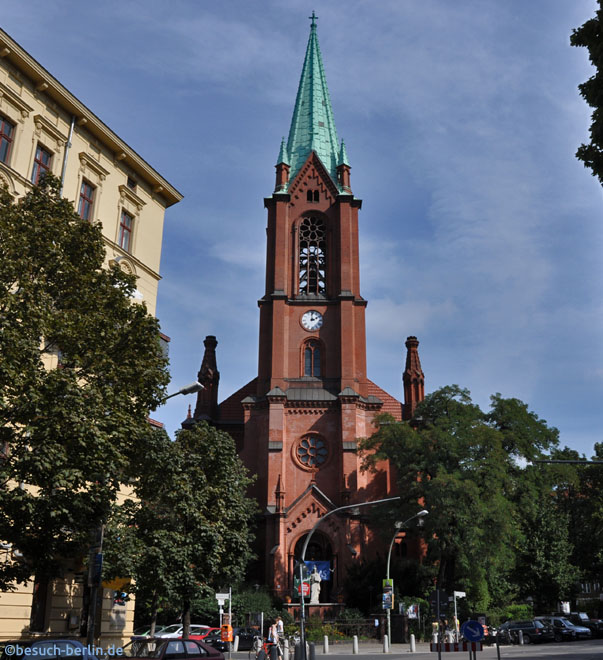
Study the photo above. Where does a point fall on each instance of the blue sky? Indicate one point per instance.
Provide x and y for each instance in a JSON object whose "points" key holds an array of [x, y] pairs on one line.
{"points": [[480, 231]]}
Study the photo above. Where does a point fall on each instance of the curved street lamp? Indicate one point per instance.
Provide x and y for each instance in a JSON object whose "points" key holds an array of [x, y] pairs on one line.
{"points": [[399, 527], [302, 617]]}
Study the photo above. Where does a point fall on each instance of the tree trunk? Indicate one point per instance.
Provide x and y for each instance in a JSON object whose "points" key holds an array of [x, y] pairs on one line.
{"points": [[154, 605], [186, 619]]}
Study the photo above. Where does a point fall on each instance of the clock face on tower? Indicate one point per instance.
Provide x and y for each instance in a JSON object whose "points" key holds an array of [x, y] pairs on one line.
{"points": [[311, 320]]}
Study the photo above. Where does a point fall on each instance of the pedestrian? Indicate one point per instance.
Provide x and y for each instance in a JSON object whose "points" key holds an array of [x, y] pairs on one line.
{"points": [[280, 627], [273, 637]]}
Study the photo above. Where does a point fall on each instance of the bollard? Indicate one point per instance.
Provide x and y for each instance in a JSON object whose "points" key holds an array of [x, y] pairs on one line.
{"points": [[385, 644], [286, 649], [412, 643], [235, 646], [274, 652], [297, 651], [520, 636], [312, 654], [355, 645], [325, 645]]}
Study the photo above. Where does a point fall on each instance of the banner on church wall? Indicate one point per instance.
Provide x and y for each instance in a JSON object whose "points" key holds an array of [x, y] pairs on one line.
{"points": [[323, 568]]}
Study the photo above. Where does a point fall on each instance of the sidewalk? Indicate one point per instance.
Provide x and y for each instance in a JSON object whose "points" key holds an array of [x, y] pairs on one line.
{"points": [[372, 648]]}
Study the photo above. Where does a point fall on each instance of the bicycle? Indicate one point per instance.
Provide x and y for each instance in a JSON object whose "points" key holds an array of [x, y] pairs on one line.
{"points": [[260, 649]]}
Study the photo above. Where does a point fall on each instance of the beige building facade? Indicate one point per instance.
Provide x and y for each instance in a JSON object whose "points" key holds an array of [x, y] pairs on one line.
{"points": [[44, 128]]}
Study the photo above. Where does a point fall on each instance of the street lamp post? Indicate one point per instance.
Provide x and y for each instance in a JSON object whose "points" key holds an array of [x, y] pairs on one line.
{"points": [[399, 526], [96, 551], [302, 622]]}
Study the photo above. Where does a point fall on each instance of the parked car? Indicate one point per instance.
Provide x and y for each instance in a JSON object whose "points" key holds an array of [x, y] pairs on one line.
{"points": [[45, 648], [564, 629], [246, 637], [169, 649], [175, 630], [582, 619], [533, 631], [144, 631]]}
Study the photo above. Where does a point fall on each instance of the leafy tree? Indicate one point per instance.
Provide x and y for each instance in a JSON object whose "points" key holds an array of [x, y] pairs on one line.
{"points": [[68, 432], [191, 523], [464, 466], [590, 35]]}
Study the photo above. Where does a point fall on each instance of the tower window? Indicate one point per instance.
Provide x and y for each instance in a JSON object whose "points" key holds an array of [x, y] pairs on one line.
{"points": [[312, 358], [312, 256], [313, 195]]}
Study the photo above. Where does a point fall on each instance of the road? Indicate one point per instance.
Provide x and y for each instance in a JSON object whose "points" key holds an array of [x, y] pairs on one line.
{"points": [[583, 650]]}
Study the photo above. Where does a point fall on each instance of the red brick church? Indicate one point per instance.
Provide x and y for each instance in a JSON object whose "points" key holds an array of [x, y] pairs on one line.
{"points": [[297, 424]]}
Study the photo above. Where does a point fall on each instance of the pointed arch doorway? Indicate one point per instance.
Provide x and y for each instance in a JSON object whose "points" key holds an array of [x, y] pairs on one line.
{"points": [[320, 551]]}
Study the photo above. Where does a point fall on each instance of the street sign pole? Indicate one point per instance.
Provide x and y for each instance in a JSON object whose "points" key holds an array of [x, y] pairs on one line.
{"points": [[229, 620], [439, 640]]}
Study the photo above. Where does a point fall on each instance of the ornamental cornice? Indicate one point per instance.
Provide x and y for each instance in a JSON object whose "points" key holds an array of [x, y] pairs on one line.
{"points": [[13, 98], [42, 124], [131, 196], [86, 161]]}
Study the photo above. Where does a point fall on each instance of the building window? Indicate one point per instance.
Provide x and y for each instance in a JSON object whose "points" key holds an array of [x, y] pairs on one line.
{"points": [[312, 256], [125, 231], [313, 196], [131, 183], [312, 358], [84, 208], [311, 451], [41, 164], [6, 139]]}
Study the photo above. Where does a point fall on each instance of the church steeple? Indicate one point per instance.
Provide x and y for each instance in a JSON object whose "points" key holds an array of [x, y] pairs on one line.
{"points": [[313, 126]]}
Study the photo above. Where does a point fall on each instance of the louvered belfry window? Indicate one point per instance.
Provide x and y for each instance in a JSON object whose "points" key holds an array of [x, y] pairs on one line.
{"points": [[312, 256]]}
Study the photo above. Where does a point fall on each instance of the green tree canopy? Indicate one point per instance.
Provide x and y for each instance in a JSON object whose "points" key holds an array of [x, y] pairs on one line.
{"points": [[468, 469], [68, 433], [189, 533], [590, 36]]}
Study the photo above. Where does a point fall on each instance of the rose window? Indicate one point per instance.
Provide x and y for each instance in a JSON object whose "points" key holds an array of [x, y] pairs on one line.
{"points": [[312, 451]]}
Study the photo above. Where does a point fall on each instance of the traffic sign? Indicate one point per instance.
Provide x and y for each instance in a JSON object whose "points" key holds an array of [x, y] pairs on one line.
{"points": [[472, 631], [443, 599]]}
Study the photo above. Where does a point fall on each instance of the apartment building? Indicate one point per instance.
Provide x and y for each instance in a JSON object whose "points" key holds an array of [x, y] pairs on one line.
{"points": [[45, 128]]}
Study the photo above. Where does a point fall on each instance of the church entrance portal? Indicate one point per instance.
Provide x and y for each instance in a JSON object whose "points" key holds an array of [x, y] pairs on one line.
{"points": [[319, 553]]}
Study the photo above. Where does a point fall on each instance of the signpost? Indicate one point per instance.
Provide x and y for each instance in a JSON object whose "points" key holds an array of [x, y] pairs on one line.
{"points": [[473, 631], [457, 594]]}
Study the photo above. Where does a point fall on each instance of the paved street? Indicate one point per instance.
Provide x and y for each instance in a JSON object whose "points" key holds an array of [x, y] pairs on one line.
{"points": [[591, 650]]}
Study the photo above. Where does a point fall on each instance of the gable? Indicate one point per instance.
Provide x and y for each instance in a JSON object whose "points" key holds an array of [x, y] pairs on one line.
{"points": [[312, 174]]}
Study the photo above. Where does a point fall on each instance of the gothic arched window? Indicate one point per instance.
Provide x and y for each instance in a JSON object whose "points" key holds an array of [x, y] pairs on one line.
{"points": [[312, 358], [312, 256]]}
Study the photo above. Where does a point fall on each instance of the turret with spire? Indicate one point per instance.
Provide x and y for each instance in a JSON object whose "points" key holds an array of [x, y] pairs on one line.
{"points": [[413, 379], [209, 376]]}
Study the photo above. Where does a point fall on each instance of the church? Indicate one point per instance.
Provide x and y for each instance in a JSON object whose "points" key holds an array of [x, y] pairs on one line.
{"points": [[296, 425]]}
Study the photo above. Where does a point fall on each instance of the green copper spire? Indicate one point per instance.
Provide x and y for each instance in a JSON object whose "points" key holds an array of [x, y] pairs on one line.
{"points": [[312, 126], [343, 155], [283, 156]]}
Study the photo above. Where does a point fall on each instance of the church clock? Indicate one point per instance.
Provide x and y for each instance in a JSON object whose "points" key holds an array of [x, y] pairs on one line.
{"points": [[311, 320]]}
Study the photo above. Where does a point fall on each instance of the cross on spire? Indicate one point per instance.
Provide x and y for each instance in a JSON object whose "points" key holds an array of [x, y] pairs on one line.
{"points": [[313, 18]]}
